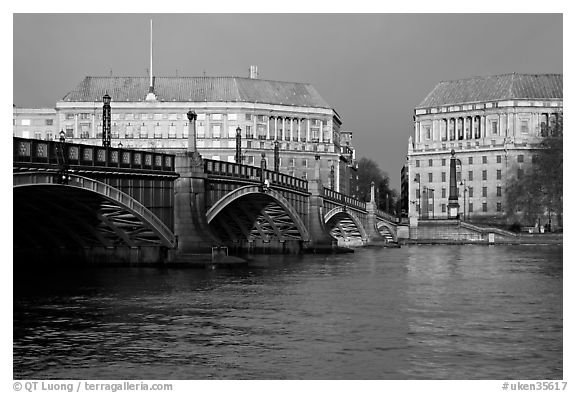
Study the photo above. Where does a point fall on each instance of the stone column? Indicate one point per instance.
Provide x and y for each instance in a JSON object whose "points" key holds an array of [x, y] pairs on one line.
{"points": [[308, 130], [191, 131], [299, 128], [453, 204], [268, 127]]}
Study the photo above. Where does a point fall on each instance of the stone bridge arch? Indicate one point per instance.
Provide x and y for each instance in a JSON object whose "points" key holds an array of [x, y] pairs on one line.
{"points": [[83, 214], [345, 226], [250, 214], [388, 230]]}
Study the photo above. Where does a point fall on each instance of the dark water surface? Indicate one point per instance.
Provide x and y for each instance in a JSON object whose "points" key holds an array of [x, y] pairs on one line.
{"points": [[418, 312]]}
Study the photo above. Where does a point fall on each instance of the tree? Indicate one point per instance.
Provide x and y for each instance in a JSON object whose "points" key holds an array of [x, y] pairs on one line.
{"points": [[539, 191], [368, 172]]}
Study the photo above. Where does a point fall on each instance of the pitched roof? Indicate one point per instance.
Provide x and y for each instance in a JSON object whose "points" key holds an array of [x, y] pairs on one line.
{"points": [[198, 89], [495, 88]]}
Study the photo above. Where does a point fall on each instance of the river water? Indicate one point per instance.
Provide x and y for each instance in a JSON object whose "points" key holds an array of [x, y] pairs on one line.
{"points": [[417, 312]]}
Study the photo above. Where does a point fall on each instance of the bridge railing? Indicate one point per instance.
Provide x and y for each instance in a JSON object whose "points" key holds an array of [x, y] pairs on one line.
{"points": [[344, 199], [37, 151], [247, 172], [386, 216]]}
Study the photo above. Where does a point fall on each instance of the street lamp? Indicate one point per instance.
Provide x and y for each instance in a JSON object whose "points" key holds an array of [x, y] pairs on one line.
{"points": [[417, 180], [465, 190], [432, 192], [62, 136], [106, 121], [332, 176], [276, 156], [120, 145], [238, 145]]}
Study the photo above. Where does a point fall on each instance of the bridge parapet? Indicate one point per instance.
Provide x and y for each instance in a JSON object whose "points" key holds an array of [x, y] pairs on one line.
{"points": [[343, 199], [35, 152], [385, 216], [233, 170]]}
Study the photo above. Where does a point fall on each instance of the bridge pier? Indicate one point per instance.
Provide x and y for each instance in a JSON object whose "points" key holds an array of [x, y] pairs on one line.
{"points": [[320, 239], [195, 240]]}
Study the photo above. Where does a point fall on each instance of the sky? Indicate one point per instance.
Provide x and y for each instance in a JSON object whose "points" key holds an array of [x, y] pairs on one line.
{"points": [[372, 68]]}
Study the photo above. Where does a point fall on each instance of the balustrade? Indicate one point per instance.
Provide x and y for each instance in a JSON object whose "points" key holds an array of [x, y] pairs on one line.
{"points": [[47, 152]]}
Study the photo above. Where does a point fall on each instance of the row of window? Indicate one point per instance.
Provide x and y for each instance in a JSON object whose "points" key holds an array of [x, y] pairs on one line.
{"points": [[469, 191], [520, 173], [184, 116], [28, 122], [469, 210], [519, 158]]}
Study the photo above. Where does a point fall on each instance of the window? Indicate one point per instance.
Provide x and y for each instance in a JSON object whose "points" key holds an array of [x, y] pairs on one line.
{"points": [[443, 162], [443, 177], [484, 160], [521, 158], [430, 162], [200, 130], [70, 116], [291, 161], [231, 131], [471, 192], [249, 134], [37, 135], [430, 177], [305, 175], [216, 116], [49, 136], [498, 191], [498, 159], [498, 174], [250, 160], [524, 126], [417, 163], [157, 116], [443, 193], [428, 132], [470, 207], [49, 122], [484, 207], [443, 208], [69, 132], [494, 127], [25, 122], [485, 192], [470, 160], [484, 174], [248, 116], [470, 175], [498, 207], [305, 162], [216, 130]]}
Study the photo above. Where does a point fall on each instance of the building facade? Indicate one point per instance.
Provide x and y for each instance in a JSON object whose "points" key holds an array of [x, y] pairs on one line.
{"points": [[152, 116], [36, 123], [494, 124]]}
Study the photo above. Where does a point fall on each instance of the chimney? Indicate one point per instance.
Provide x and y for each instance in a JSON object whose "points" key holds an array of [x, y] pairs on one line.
{"points": [[253, 72]]}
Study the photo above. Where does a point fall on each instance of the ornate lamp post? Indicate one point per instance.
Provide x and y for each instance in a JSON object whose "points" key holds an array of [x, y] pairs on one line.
{"points": [[62, 136], [238, 157], [106, 118], [276, 156], [332, 176]]}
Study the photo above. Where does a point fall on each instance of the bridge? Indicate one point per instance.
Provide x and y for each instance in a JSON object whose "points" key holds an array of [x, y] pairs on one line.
{"points": [[111, 204]]}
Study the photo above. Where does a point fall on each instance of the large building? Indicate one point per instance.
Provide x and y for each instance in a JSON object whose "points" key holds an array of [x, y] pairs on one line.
{"points": [[150, 113], [494, 124]]}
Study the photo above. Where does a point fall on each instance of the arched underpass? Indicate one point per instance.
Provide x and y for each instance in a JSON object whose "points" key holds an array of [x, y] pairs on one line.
{"points": [[345, 228], [248, 219], [84, 221]]}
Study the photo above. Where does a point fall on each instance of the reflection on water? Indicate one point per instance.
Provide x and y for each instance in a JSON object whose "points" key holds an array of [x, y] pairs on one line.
{"points": [[418, 312]]}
